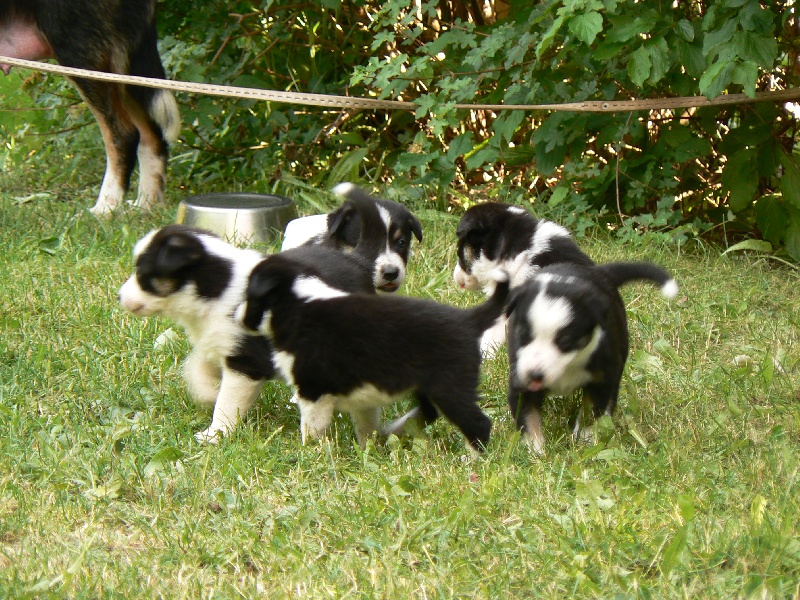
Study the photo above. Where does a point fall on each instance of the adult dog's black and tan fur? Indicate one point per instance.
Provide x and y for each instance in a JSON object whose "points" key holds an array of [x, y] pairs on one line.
{"points": [[116, 36]]}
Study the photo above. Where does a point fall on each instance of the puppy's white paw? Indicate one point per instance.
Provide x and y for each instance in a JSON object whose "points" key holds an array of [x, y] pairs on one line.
{"points": [[212, 435]]}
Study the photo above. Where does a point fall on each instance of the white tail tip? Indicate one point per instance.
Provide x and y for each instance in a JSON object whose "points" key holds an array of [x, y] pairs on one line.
{"points": [[343, 189], [670, 289]]}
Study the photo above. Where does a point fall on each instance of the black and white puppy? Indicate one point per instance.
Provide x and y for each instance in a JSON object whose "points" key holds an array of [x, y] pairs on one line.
{"points": [[358, 353], [495, 235], [567, 329], [117, 37], [381, 229], [196, 279]]}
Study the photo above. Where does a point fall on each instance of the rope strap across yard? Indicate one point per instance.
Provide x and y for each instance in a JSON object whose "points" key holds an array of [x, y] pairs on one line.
{"points": [[330, 101]]}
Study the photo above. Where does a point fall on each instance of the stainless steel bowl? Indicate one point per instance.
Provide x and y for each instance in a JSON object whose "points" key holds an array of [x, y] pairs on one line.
{"points": [[237, 216]]}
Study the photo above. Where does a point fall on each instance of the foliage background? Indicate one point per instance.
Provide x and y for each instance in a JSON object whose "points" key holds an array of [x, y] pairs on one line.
{"points": [[716, 171]]}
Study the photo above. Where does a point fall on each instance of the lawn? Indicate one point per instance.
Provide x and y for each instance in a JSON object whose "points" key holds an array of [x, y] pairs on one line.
{"points": [[691, 493]]}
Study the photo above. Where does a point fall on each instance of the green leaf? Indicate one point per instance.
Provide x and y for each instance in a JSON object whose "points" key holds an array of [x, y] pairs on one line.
{"points": [[161, 459], [772, 218], [686, 30], [790, 182], [716, 78], [754, 245], [461, 145], [348, 167], [746, 74], [674, 551], [740, 178], [586, 26], [549, 36], [792, 237], [760, 49], [639, 66], [558, 196]]}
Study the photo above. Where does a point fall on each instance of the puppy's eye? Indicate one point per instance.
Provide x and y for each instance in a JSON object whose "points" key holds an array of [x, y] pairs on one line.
{"points": [[570, 341], [401, 244]]}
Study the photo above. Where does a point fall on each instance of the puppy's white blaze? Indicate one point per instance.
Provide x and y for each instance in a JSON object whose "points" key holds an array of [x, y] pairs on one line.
{"points": [[670, 289], [308, 289], [343, 189], [385, 216], [545, 231], [284, 364], [516, 210]]}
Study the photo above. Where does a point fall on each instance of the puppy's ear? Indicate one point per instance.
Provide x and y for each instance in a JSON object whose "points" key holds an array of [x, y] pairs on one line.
{"points": [[179, 251], [416, 228], [344, 224], [262, 283]]}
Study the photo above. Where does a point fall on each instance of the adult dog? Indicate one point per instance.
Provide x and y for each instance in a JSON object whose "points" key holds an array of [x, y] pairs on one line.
{"points": [[117, 37], [568, 330], [495, 235], [387, 251], [196, 279], [359, 353]]}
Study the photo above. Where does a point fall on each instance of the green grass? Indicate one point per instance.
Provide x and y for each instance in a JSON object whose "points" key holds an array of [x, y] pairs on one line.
{"points": [[104, 492]]}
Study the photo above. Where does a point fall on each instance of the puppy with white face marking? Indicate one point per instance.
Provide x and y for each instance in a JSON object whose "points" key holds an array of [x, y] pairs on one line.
{"points": [[381, 230], [495, 235], [567, 329], [359, 353], [196, 279]]}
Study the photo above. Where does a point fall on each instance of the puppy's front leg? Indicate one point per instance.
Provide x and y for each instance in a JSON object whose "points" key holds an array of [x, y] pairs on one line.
{"points": [[315, 417], [237, 393], [202, 378]]}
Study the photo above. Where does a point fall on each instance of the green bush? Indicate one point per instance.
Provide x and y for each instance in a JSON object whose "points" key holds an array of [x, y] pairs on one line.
{"points": [[684, 172]]}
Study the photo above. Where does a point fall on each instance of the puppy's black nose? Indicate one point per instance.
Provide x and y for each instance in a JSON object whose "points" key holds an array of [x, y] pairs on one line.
{"points": [[391, 273]]}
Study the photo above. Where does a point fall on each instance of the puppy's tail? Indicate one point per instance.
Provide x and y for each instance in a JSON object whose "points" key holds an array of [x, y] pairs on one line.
{"points": [[621, 273], [485, 315]]}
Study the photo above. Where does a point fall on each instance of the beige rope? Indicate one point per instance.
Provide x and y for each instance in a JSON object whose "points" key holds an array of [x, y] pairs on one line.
{"points": [[330, 101]]}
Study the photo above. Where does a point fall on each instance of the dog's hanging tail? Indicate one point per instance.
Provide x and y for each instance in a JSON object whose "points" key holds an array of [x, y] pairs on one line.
{"points": [[621, 273], [485, 315]]}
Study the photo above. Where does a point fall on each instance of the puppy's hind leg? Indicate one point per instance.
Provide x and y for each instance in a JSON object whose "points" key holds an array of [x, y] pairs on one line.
{"points": [[237, 393], [366, 422], [598, 400], [315, 416]]}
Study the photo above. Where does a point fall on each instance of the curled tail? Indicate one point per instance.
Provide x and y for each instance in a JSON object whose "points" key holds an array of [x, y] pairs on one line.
{"points": [[620, 273], [485, 315]]}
